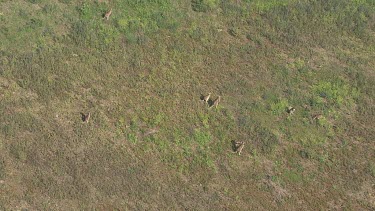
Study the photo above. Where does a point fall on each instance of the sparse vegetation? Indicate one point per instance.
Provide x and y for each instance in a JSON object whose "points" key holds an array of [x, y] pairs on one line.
{"points": [[151, 142]]}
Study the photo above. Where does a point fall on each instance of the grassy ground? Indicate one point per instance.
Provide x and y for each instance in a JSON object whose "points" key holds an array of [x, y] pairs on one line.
{"points": [[151, 143]]}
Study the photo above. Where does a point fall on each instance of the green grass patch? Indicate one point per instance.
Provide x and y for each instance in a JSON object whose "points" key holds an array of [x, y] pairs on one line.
{"points": [[279, 106], [202, 138], [204, 5], [292, 176], [334, 93], [141, 74]]}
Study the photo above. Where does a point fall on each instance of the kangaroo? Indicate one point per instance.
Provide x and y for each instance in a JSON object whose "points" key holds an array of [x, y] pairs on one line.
{"points": [[216, 102], [291, 110], [238, 146], [107, 14], [317, 116], [207, 98]]}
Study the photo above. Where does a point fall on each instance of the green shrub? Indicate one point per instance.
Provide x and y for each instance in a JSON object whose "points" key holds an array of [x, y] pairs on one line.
{"points": [[372, 169], [264, 139], [202, 137], [132, 138], [336, 93], [35, 1], [292, 176], [203, 5], [86, 11], [279, 106], [2, 168]]}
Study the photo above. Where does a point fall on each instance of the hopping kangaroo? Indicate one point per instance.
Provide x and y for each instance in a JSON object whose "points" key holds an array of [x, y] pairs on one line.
{"points": [[107, 14], [216, 102]]}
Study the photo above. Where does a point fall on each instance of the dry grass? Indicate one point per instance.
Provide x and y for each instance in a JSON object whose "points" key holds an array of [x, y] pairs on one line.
{"points": [[151, 143]]}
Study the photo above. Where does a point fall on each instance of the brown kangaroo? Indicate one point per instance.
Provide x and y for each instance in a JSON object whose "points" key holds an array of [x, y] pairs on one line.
{"points": [[107, 14]]}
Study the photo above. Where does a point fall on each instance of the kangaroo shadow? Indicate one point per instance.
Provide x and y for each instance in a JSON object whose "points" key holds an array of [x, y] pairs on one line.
{"points": [[83, 116], [210, 103], [234, 146]]}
